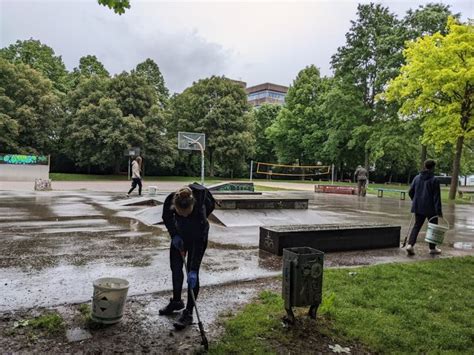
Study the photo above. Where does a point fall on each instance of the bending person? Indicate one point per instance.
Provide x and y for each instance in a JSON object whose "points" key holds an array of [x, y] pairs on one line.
{"points": [[185, 215]]}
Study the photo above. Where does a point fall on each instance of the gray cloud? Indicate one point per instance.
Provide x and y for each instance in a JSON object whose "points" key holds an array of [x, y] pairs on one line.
{"points": [[78, 28]]}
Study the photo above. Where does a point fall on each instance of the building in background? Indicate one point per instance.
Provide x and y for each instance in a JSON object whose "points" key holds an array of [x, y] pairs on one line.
{"points": [[266, 93]]}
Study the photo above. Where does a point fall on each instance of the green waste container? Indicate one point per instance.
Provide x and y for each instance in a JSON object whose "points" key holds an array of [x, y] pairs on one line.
{"points": [[302, 279]]}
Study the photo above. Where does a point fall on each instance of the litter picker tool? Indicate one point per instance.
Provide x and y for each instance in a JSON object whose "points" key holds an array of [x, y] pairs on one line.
{"points": [[408, 232], [201, 328]]}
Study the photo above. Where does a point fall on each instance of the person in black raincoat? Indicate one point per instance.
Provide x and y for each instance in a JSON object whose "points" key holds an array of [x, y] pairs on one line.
{"points": [[425, 194], [185, 214]]}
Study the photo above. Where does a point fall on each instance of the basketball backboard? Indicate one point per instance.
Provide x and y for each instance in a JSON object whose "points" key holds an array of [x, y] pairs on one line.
{"points": [[190, 140]]}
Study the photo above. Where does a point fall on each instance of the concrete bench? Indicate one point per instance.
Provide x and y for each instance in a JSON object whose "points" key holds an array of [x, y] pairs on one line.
{"points": [[381, 190], [329, 237]]}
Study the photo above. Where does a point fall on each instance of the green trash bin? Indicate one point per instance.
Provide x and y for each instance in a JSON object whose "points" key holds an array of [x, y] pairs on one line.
{"points": [[302, 279]]}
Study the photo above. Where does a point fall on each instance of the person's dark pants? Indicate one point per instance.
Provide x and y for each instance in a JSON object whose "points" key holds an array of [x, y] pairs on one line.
{"points": [[361, 187], [419, 220], [176, 262], [135, 182]]}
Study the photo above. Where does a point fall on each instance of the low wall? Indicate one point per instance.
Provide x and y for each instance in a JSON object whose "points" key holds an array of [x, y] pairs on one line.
{"points": [[10, 172]]}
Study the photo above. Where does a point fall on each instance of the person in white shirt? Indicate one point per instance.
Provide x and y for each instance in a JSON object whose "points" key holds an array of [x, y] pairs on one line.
{"points": [[136, 177]]}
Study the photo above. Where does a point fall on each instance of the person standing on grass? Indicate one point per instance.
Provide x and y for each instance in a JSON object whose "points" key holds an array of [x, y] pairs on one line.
{"points": [[136, 177], [361, 176], [185, 214], [425, 194]]}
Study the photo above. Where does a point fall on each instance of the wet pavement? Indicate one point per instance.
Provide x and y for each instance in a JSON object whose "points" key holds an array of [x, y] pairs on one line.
{"points": [[54, 244]]}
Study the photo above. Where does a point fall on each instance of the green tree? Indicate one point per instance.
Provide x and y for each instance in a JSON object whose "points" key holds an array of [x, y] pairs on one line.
{"points": [[343, 106], [159, 150], [152, 74], [89, 65], [119, 6], [265, 115], [98, 132], [371, 57], [29, 110], [426, 20], [217, 107], [298, 133], [438, 79], [40, 57], [133, 94]]}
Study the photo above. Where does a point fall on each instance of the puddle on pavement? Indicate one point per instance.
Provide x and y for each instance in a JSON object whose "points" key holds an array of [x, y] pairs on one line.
{"points": [[58, 243]]}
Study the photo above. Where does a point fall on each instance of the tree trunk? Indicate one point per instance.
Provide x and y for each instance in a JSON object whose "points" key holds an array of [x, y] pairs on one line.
{"points": [[366, 160], [456, 167], [423, 156], [408, 178]]}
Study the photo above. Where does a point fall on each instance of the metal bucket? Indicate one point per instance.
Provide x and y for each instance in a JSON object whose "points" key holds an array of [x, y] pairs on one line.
{"points": [[108, 300], [435, 233]]}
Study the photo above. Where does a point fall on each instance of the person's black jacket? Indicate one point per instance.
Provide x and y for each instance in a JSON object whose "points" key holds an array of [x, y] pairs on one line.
{"points": [[194, 229], [425, 194]]}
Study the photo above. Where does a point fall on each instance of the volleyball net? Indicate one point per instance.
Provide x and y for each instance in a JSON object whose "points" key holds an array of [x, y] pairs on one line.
{"points": [[272, 169]]}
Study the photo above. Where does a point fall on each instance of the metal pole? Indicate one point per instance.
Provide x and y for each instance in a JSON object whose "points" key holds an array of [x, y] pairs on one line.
{"points": [[202, 162], [332, 174], [251, 169]]}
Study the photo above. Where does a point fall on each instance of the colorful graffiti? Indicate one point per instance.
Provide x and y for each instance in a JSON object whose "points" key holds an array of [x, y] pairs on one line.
{"points": [[19, 159]]}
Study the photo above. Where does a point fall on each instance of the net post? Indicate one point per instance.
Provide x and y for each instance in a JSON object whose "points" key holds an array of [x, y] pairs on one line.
{"points": [[332, 174], [251, 170]]}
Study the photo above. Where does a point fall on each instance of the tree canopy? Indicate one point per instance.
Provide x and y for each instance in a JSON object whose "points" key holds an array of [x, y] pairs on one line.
{"points": [[217, 107], [30, 112], [438, 80], [40, 57]]}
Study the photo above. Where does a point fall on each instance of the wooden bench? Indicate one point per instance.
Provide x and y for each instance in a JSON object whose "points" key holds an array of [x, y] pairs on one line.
{"points": [[335, 189], [381, 190]]}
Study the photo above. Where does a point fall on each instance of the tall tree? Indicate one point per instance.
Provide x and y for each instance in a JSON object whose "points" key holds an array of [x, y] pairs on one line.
{"points": [[298, 132], [89, 65], [217, 107], [29, 110], [438, 79], [133, 94], [426, 20], [152, 74], [98, 131], [265, 115], [40, 57], [371, 56]]}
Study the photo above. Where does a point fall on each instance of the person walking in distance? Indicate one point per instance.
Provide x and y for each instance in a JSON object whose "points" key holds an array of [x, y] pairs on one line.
{"points": [[425, 194], [136, 177], [185, 214], [361, 176]]}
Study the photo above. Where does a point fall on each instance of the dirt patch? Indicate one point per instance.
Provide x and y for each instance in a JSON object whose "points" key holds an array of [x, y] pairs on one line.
{"points": [[142, 330], [303, 337]]}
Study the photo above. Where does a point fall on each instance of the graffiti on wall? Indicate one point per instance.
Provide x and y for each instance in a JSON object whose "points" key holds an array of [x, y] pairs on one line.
{"points": [[19, 159]]}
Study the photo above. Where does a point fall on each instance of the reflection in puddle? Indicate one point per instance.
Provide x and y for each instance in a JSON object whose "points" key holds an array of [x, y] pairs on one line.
{"points": [[462, 245]]}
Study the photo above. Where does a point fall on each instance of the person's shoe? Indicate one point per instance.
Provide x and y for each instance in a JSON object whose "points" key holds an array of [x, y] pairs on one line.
{"points": [[171, 307], [184, 320], [410, 249], [435, 251]]}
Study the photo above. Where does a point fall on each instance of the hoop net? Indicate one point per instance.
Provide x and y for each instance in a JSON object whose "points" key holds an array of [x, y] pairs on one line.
{"points": [[292, 170]]}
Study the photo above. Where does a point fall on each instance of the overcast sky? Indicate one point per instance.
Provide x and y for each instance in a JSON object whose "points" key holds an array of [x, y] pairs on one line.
{"points": [[254, 41]]}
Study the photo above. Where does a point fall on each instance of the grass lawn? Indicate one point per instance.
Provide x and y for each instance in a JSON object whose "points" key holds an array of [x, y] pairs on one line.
{"points": [[423, 307]]}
